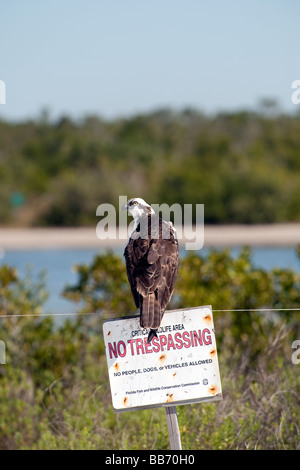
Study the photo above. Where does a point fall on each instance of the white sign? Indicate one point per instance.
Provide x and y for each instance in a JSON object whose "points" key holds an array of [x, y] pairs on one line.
{"points": [[178, 367]]}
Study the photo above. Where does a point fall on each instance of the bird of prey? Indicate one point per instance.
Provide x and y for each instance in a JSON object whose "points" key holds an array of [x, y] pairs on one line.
{"points": [[152, 258]]}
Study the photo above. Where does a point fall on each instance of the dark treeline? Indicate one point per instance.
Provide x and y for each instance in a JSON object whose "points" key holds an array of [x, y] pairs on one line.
{"points": [[243, 166]]}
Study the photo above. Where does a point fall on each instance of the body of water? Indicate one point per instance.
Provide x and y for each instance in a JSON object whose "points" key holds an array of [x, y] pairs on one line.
{"points": [[58, 265]]}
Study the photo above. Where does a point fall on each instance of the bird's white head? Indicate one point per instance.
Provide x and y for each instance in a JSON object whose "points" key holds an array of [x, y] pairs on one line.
{"points": [[137, 207]]}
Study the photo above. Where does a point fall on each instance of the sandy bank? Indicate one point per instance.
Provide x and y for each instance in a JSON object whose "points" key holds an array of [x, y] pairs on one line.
{"points": [[86, 237]]}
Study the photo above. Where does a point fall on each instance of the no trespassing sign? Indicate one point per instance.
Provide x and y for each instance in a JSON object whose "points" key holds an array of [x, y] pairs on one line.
{"points": [[178, 367]]}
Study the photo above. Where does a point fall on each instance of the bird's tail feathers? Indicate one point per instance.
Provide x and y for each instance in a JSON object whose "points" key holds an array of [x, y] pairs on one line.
{"points": [[147, 311], [150, 312], [152, 334]]}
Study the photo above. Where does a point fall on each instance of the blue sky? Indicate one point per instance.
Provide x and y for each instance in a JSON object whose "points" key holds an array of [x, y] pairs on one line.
{"points": [[120, 57]]}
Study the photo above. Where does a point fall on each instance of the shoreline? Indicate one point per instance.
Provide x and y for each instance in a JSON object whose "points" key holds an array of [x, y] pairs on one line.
{"points": [[286, 234]]}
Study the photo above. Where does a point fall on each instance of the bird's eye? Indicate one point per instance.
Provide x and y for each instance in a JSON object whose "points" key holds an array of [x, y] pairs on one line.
{"points": [[135, 203]]}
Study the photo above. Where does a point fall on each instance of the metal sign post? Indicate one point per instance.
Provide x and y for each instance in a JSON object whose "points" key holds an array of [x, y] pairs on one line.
{"points": [[173, 428], [178, 367]]}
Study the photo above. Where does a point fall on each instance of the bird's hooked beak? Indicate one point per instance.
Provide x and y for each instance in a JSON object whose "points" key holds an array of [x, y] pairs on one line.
{"points": [[125, 207]]}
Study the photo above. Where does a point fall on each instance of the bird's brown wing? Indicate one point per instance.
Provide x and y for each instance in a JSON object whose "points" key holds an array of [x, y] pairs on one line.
{"points": [[133, 254], [164, 258], [152, 266]]}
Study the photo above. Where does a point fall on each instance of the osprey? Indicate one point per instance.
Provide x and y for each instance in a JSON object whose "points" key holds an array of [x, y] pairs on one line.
{"points": [[151, 257]]}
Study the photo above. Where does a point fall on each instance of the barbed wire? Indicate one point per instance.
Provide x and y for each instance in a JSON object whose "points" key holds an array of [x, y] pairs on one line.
{"points": [[38, 315], [263, 309], [270, 309]]}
